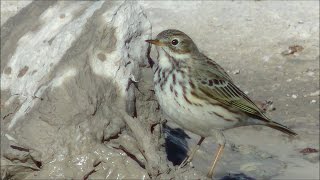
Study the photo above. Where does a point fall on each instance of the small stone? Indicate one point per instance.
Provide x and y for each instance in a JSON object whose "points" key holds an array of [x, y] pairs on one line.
{"points": [[236, 71], [292, 50], [289, 80], [246, 92], [102, 57], [23, 71], [313, 101], [296, 48], [300, 22], [251, 166], [265, 155], [315, 93], [309, 150], [266, 58], [294, 96], [310, 73]]}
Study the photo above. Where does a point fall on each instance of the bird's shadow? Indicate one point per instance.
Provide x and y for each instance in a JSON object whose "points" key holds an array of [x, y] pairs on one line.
{"points": [[237, 176], [175, 144]]}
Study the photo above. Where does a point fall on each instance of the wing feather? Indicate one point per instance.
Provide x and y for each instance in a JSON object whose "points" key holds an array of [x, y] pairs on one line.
{"points": [[214, 82]]}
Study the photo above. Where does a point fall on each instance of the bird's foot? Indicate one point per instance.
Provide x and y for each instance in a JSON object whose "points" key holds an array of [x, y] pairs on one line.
{"points": [[186, 161]]}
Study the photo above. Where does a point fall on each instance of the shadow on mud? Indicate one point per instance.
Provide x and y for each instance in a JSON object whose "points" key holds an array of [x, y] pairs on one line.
{"points": [[176, 144]]}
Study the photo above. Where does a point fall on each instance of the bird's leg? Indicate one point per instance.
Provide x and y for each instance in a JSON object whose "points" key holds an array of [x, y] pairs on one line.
{"points": [[221, 141], [189, 158]]}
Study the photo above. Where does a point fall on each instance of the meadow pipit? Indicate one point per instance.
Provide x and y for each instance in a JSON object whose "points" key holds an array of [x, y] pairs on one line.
{"points": [[197, 94]]}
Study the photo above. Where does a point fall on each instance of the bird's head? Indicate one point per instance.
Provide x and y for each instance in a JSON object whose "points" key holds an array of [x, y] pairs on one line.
{"points": [[174, 42]]}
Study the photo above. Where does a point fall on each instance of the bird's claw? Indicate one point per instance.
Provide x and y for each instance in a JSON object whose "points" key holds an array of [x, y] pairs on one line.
{"points": [[185, 162]]}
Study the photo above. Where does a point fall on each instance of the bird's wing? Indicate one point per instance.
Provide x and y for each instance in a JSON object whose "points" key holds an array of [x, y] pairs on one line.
{"points": [[215, 83]]}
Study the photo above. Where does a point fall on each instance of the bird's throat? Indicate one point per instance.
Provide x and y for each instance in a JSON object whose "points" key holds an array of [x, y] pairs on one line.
{"points": [[165, 60]]}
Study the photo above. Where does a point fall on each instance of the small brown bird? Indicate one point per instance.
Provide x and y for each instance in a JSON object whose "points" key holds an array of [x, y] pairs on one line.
{"points": [[197, 94]]}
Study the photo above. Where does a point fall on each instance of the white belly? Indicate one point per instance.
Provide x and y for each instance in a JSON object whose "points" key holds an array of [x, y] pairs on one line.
{"points": [[195, 118]]}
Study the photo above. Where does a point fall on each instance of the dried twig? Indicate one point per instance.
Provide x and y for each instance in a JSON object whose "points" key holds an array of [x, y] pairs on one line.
{"points": [[145, 143]]}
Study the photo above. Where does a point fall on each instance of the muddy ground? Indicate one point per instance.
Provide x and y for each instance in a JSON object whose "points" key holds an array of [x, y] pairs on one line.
{"points": [[271, 50]]}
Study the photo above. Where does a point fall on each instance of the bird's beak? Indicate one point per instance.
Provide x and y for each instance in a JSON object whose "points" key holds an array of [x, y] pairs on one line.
{"points": [[155, 42]]}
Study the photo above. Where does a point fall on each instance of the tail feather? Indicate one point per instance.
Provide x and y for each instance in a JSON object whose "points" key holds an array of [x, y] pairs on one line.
{"points": [[281, 128]]}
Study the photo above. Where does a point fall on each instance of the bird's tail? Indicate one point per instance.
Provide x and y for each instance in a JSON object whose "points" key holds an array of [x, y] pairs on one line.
{"points": [[281, 128]]}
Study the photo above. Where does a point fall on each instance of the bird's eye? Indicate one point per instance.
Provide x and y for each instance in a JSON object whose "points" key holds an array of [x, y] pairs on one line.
{"points": [[174, 42]]}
